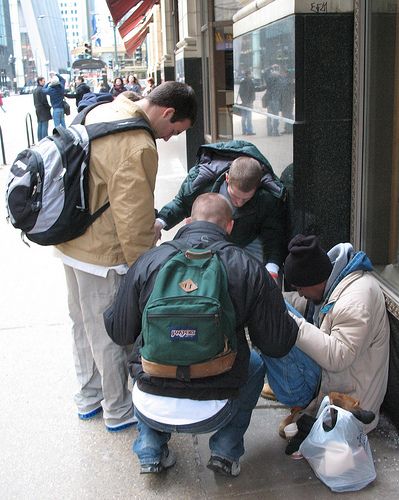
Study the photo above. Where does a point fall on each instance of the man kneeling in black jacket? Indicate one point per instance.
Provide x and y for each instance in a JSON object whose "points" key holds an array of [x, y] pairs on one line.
{"points": [[222, 403]]}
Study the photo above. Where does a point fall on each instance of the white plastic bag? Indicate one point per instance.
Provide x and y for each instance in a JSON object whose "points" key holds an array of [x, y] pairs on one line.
{"points": [[341, 457]]}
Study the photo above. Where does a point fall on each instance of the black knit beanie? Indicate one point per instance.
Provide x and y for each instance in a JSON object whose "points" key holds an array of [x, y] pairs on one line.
{"points": [[307, 263]]}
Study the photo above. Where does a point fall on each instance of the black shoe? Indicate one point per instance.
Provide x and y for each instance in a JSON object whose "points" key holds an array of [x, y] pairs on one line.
{"points": [[224, 466], [168, 460]]}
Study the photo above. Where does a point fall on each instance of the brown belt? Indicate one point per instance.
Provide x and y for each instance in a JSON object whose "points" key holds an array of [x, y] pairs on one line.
{"points": [[215, 366]]}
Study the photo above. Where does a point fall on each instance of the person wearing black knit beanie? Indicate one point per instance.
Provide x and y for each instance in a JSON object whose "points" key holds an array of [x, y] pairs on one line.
{"points": [[346, 336], [307, 264]]}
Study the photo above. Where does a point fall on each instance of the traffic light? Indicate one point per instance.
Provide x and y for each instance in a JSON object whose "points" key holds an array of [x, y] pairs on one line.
{"points": [[88, 50], [138, 55], [110, 64]]}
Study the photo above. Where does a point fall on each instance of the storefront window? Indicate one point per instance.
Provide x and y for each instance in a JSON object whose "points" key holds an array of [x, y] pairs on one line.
{"points": [[264, 61], [217, 66], [380, 209]]}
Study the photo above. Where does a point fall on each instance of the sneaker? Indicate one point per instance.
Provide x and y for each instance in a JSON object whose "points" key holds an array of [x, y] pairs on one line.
{"points": [[88, 415], [126, 424], [224, 466], [267, 393], [288, 420], [168, 460]]}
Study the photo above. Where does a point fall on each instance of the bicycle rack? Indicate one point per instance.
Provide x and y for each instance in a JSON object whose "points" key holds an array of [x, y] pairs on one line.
{"points": [[28, 116], [2, 147]]}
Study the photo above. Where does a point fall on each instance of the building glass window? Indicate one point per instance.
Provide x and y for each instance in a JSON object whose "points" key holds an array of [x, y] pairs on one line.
{"points": [[217, 66], [380, 195], [264, 90]]}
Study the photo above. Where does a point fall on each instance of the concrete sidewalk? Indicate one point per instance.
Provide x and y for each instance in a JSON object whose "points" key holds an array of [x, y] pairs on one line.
{"points": [[48, 453]]}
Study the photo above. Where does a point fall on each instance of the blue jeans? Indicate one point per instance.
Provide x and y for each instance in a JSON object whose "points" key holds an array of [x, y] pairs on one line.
{"points": [[294, 378], [42, 130], [230, 423], [246, 121], [58, 117]]}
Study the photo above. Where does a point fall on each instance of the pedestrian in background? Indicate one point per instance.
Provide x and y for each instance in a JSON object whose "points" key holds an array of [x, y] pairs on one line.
{"points": [[1, 102], [123, 169], [150, 86], [118, 87], [133, 84], [55, 88], [42, 108], [246, 92], [80, 90]]}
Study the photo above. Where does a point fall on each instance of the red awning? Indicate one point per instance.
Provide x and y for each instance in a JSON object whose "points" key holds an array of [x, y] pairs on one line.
{"points": [[119, 8], [137, 16], [135, 42], [136, 37]]}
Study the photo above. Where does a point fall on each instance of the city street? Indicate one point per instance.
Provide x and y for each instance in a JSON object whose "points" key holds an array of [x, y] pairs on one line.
{"points": [[47, 453]]}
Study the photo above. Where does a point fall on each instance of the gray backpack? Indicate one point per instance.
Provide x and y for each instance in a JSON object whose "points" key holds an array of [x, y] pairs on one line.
{"points": [[47, 194]]}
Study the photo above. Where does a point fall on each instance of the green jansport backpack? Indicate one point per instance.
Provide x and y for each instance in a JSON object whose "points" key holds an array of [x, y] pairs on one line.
{"points": [[188, 323]]}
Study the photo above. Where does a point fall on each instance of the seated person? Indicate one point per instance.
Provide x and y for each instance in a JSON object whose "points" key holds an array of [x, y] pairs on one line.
{"points": [[221, 403], [349, 337], [259, 224]]}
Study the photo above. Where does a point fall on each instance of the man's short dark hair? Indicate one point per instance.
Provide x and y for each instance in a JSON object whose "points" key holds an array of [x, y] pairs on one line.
{"points": [[177, 95], [39, 79], [80, 78], [245, 173]]}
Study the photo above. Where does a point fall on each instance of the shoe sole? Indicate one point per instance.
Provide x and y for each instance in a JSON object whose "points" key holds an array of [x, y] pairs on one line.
{"points": [[121, 427], [90, 414]]}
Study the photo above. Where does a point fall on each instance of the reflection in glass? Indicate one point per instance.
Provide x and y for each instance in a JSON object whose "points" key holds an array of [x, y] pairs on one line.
{"points": [[265, 108], [381, 209]]}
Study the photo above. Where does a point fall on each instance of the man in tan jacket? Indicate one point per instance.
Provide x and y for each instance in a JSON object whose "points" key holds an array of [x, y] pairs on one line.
{"points": [[123, 169], [349, 337]]}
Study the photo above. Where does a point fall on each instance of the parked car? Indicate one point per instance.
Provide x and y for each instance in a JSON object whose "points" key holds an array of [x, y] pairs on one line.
{"points": [[28, 89], [5, 92]]}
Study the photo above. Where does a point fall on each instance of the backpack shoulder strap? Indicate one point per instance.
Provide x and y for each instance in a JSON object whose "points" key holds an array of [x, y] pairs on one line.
{"points": [[101, 129], [97, 130]]}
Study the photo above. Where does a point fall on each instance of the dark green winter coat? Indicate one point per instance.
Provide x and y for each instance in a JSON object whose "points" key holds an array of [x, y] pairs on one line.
{"points": [[263, 216]]}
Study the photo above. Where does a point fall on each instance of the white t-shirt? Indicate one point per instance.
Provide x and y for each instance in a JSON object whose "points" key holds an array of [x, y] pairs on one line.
{"points": [[175, 411], [91, 268]]}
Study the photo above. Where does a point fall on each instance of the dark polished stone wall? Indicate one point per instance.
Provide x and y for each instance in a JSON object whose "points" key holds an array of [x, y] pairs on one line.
{"points": [[168, 73], [323, 126], [189, 70], [390, 405]]}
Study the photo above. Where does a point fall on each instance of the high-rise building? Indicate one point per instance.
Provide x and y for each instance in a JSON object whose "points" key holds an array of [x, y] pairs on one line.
{"points": [[7, 67], [75, 17], [39, 37]]}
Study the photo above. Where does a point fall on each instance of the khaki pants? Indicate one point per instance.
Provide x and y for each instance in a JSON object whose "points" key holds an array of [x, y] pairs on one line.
{"points": [[100, 364]]}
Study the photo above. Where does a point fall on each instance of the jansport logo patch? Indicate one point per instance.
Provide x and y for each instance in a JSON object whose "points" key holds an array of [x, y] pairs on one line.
{"points": [[188, 285], [183, 333]]}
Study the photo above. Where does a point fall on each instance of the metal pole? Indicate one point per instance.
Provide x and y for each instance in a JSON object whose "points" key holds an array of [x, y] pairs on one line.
{"points": [[116, 71]]}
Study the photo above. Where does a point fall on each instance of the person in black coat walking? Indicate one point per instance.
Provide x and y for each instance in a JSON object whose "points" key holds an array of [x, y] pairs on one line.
{"points": [[80, 90], [42, 108]]}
